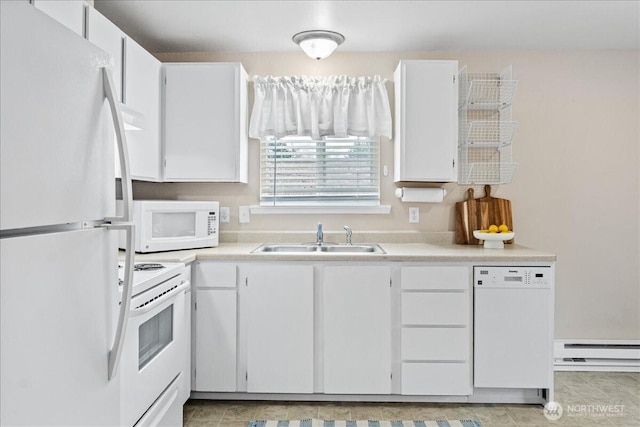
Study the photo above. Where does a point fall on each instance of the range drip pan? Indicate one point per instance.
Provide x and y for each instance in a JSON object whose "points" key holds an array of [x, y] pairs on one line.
{"points": [[147, 266]]}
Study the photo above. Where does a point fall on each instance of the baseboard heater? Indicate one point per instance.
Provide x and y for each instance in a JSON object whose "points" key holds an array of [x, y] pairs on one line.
{"points": [[596, 355]]}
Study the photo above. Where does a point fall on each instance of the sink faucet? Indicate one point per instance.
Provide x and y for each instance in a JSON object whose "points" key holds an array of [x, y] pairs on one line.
{"points": [[319, 235], [349, 233]]}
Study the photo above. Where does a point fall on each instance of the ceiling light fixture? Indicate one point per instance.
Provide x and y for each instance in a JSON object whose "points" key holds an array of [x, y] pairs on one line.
{"points": [[318, 44]]}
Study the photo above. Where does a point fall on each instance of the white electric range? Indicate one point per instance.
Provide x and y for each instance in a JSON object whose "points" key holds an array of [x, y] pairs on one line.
{"points": [[155, 355], [149, 274]]}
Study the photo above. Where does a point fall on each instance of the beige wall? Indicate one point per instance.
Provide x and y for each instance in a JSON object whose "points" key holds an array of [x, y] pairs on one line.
{"points": [[576, 191]]}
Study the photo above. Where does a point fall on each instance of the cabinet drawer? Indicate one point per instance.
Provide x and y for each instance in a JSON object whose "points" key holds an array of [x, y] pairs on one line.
{"points": [[435, 344], [435, 308], [454, 277], [436, 379], [215, 275]]}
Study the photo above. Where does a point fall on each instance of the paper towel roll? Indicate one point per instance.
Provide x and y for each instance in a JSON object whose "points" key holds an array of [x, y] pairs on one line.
{"points": [[425, 195]]}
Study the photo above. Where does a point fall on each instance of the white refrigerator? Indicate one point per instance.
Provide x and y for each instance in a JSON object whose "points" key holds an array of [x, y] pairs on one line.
{"points": [[61, 321]]}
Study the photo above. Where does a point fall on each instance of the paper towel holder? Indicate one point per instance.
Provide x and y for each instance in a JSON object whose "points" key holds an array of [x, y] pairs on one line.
{"points": [[421, 195]]}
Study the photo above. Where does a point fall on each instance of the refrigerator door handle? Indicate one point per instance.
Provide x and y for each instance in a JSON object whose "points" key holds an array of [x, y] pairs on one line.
{"points": [[118, 122], [125, 303]]}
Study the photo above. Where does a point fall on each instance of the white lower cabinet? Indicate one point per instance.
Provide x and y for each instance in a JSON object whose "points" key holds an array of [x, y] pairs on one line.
{"points": [[280, 324], [436, 378], [216, 332], [333, 328], [435, 343], [435, 329], [357, 329], [185, 384], [216, 340]]}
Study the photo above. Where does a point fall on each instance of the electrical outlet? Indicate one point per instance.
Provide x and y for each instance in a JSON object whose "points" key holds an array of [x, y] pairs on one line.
{"points": [[224, 214], [244, 216], [414, 215]]}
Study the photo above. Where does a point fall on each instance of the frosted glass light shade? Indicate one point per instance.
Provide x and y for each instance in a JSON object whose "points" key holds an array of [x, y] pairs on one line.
{"points": [[318, 44]]}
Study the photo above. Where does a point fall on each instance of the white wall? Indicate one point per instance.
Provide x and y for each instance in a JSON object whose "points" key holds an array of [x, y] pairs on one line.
{"points": [[576, 191]]}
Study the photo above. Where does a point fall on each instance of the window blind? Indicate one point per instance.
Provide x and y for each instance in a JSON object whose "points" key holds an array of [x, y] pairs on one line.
{"points": [[300, 171]]}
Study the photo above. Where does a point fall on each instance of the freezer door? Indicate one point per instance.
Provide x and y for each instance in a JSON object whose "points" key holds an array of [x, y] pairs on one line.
{"points": [[58, 309], [57, 140]]}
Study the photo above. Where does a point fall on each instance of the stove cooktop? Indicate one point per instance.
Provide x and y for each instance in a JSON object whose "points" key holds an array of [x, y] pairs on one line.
{"points": [[147, 275], [147, 266]]}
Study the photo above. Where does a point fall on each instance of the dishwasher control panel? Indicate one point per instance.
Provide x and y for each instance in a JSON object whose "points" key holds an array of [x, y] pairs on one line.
{"points": [[508, 277]]}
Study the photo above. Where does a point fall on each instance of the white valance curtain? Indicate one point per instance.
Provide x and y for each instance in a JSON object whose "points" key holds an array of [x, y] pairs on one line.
{"points": [[320, 106]]}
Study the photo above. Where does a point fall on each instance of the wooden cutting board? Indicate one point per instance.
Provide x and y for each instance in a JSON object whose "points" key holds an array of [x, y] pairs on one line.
{"points": [[468, 215], [498, 211]]}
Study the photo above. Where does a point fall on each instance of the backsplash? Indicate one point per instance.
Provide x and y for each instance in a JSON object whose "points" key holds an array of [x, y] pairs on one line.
{"points": [[435, 238]]}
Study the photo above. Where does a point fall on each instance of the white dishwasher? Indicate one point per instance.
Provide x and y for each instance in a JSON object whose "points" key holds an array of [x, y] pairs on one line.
{"points": [[513, 327]]}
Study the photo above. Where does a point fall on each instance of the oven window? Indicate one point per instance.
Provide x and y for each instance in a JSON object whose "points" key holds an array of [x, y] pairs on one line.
{"points": [[173, 224], [154, 335]]}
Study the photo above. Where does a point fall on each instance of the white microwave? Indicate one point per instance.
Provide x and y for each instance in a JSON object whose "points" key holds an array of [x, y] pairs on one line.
{"points": [[168, 225]]}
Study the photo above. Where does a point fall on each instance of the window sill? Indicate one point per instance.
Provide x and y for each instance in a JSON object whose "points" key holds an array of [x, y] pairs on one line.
{"points": [[303, 210]]}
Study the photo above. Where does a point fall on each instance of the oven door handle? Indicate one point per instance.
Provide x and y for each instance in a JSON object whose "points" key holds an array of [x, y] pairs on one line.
{"points": [[152, 305]]}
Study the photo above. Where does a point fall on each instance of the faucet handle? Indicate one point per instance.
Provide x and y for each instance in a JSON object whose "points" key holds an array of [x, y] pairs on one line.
{"points": [[349, 233]]}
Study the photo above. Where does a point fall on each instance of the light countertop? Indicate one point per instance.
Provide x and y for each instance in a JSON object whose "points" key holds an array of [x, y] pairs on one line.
{"points": [[424, 252]]}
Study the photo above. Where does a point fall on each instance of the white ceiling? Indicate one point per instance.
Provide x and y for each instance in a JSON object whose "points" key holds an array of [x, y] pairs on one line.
{"points": [[267, 26]]}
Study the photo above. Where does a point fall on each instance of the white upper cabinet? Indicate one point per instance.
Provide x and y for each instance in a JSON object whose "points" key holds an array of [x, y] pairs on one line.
{"points": [[205, 122], [426, 121], [137, 75], [108, 37], [69, 13], [142, 96]]}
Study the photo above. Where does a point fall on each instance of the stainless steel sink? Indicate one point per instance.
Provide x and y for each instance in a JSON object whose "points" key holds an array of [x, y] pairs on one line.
{"points": [[365, 248], [315, 248], [286, 248]]}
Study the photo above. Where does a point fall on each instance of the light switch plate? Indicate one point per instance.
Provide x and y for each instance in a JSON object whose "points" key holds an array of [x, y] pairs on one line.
{"points": [[414, 215], [244, 216], [224, 214]]}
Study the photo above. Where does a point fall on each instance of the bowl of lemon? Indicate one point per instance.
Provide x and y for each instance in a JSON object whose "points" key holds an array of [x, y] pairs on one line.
{"points": [[495, 236]]}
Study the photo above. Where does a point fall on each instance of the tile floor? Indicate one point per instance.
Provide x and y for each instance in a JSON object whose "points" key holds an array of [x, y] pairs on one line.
{"points": [[587, 398]]}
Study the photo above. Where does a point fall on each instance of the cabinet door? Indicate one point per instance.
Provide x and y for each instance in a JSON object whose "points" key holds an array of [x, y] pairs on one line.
{"points": [[215, 340], [279, 310], [142, 94], [426, 130], [69, 13], [357, 330], [185, 377], [205, 122], [108, 37]]}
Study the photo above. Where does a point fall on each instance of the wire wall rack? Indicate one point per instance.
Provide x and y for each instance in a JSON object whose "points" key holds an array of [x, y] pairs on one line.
{"points": [[486, 128], [489, 133]]}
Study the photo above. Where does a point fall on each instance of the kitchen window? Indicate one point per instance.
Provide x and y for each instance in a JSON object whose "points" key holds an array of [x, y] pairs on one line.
{"points": [[328, 171]]}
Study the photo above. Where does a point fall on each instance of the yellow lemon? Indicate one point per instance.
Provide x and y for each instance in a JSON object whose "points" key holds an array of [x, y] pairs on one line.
{"points": [[503, 228], [493, 228]]}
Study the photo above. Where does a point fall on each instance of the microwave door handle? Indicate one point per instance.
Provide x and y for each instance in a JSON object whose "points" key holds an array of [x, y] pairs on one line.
{"points": [[147, 308], [125, 303], [123, 153]]}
